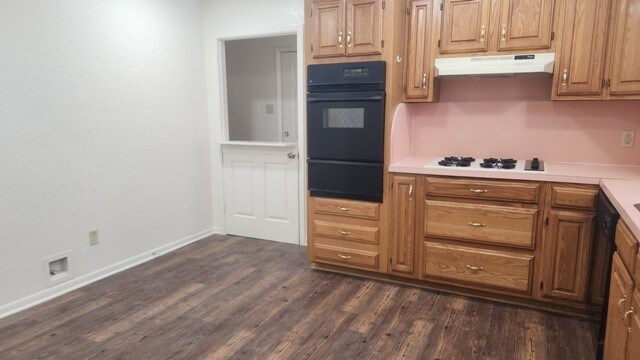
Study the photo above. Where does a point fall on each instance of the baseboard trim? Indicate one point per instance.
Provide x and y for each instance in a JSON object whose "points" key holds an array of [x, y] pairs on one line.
{"points": [[78, 282]]}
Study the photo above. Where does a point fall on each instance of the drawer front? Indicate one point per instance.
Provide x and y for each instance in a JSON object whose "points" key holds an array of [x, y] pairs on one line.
{"points": [[480, 189], [344, 231], [359, 209], [482, 267], [581, 198], [627, 246], [481, 223], [346, 256]]}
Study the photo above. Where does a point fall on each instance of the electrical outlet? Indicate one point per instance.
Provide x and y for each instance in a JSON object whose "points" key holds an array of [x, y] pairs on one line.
{"points": [[628, 138], [93, 237]]}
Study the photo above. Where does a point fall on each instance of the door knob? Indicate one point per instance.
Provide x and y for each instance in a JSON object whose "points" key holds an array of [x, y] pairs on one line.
{"points": [[291, 155], [286, 134]]}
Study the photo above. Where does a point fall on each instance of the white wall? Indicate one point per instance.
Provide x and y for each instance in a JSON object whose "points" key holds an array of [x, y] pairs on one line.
{"points": [[103, 126], [226, 20], [251, 87]]}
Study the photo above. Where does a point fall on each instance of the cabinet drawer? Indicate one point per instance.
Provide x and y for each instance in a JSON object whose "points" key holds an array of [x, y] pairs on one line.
{"points": [[627, 246], [490, 224], [346, 256], [347, 231], [491, 268], [359, 209], [480, 189], [582, 198]]}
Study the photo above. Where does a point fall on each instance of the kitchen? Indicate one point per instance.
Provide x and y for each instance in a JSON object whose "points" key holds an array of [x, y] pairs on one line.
{"points": [[420, 246]]}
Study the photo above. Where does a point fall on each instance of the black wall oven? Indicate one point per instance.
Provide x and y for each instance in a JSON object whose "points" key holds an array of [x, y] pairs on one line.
{"points": [[345, 130]]}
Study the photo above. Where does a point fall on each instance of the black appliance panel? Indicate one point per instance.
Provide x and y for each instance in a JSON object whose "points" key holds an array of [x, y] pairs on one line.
{"points": [[346, 180], [606, 220], [347, 126], [369, 75]]}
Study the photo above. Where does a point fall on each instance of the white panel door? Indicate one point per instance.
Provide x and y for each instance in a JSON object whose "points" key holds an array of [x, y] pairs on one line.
{"points": [[261, 191]]}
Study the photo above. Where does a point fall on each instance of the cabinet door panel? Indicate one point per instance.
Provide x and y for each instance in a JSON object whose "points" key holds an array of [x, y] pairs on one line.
{"points": [[419, 49], [525, 24], [625, 51], [403, 240], [364, 27], [581, 56], [566, 251], [465, 26], [633, 350], [617, 336], [328, 28]]}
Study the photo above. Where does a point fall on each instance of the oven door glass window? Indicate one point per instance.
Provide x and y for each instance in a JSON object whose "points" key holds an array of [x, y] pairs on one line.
{"points": [[352, 118]]}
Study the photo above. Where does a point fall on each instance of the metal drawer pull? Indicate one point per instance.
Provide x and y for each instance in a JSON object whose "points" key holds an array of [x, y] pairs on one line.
{"points": [[424, 81], [482, 33], [565, 76], [624, 319], [410, 192], [475, 268], [346, 257], [340, 39], [349, 38], [476, 224], [620, 303], [343, 208], [345, 233], [479, 191], [504, 32]]}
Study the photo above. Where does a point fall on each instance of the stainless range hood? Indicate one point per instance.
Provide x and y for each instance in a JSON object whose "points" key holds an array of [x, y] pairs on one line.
{"points": [[496, 65]]}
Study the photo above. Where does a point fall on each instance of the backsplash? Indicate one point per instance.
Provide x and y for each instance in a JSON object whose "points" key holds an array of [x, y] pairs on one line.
{"points": [[513, 117]]}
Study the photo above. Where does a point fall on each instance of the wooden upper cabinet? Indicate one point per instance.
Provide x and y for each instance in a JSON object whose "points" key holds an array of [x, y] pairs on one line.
{"points": [[465, 26], [565, 254], [419, 45], [525, 24], [346, 27], [364, 27], [403, 239], [625, 49], [328, 26], [580, 55]]}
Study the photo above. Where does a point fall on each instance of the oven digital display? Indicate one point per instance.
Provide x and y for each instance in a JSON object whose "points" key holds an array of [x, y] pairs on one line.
{"points": [[356, 72]]}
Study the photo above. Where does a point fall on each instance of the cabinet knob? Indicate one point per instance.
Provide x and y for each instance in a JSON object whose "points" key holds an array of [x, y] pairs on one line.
{"points": [[291, 155]]}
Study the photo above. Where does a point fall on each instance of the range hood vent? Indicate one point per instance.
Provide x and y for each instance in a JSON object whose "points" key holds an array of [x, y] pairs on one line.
{"points": [[496, 65]]}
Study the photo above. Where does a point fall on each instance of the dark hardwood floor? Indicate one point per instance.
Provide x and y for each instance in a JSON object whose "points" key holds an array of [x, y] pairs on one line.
{"points": [[231, 297]]}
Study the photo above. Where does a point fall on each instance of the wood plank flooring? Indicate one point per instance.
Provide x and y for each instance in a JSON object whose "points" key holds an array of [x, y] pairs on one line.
{"points": [[236, 298]]}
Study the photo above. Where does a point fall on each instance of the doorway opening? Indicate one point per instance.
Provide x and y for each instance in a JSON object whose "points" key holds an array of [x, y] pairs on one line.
{"points": [[260, 151]]}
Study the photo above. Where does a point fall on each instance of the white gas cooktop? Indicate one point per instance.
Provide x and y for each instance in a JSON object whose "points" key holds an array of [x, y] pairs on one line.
{"points": [[485, 164]]}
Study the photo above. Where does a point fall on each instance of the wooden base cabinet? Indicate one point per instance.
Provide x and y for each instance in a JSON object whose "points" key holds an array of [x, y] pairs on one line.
{"points": [[566, 243], [403, 230], [619, 311]]}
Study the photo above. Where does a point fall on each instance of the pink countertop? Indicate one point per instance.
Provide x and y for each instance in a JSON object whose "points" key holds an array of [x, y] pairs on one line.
{"points": [[624, 194], [557, 172], [620, 183]]}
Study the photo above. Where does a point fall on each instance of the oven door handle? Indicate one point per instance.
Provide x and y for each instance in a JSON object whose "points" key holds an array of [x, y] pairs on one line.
{"points": [[365, 98]]}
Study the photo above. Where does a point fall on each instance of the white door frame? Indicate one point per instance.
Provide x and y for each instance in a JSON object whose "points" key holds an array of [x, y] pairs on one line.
{"points": [[223, 112], [279, 114]]}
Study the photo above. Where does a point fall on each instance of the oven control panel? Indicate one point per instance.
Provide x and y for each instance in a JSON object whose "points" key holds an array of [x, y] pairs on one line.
{"points": [[356, 72]]}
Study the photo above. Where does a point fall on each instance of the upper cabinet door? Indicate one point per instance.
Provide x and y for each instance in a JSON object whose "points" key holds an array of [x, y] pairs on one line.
{"points": [[465, 26], [329, 37], [364, 27], [625, 51], [419, 49], [580, 58], [525, 24]]}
